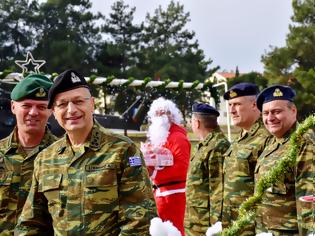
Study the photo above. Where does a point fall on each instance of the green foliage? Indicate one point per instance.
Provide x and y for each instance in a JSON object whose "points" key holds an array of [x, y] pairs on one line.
{"points": [[15, 29], [286, 163], [66, 35], [252, 77], [294, 64]]}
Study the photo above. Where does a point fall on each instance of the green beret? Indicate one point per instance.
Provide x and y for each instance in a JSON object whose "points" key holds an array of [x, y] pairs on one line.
{"points": [[34, 86]]}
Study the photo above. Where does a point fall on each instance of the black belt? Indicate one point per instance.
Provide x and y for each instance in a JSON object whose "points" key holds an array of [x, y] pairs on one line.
{"points": [[155, 186]]}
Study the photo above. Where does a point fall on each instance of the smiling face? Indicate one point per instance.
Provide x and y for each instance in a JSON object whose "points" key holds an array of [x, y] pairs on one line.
{"points": [[279, 116], [31, 115], [74, 109]]}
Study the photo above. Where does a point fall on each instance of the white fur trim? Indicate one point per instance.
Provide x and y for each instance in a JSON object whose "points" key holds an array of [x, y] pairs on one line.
{"points": [[160, 228], [158, 193], [214, 229]]}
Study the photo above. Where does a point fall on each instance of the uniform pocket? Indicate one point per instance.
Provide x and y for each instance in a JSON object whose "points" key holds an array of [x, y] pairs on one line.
{"points": [[6, 193], [6, 178], [100, 191], [50, 186], [242, 165]]}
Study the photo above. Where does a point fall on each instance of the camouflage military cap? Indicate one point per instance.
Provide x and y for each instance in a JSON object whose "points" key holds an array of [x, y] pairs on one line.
{"points": [[202, 108], [240, 90], [34, 86], [66, 81], [275, 92]]}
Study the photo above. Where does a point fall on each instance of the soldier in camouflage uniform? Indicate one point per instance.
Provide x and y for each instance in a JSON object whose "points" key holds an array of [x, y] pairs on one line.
{"points": [[277, 213], [240, 159], [20, 148], [204, 185], [305, 184], [90, 182]]}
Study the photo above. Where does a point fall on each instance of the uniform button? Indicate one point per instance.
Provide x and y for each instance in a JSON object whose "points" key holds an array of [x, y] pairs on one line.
{"points": [[89, 180]]}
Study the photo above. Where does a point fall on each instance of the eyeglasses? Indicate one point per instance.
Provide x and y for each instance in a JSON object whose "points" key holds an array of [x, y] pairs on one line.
{"points": [[78, 102]]}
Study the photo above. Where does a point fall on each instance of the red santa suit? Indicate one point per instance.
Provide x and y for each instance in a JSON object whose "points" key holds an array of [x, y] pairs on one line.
{"points": [[170, 181]]}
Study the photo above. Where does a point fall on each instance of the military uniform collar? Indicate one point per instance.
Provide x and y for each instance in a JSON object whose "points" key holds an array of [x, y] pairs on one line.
{"points": [[11, 142], [253, 129], [209, 137], [93, 140], [287, 135]]}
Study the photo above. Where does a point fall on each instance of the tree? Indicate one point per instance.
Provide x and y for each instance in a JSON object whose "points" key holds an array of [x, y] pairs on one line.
{"points": [[67, 36], [169, 50], [294, 64], [15, 30], [252, 77], [123, 39]]}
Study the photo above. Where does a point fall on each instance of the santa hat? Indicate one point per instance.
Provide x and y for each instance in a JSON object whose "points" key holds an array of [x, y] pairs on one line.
{"points": [[162, 104]]}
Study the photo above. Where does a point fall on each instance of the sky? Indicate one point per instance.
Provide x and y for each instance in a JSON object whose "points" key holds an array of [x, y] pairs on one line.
{"points": [[230, 32]]}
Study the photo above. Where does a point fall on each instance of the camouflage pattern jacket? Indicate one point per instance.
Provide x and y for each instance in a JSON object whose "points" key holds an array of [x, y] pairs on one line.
{"points": [[277, 213], [102, 188], [305, 184], [204, 187], [239, 166], [16, 169]]}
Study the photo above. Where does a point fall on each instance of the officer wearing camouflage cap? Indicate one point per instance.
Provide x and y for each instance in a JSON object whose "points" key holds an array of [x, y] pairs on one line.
{"points": [[278, 212], [90, 182], [19, 150], [240, 159], [204, 187]]}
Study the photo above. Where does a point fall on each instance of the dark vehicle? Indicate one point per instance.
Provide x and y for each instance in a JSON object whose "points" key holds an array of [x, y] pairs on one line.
{"points": [[131, 119]]}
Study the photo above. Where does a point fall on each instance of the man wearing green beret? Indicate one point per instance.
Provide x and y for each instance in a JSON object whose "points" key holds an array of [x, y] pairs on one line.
{"points": [[19, 150], [91, 181]]}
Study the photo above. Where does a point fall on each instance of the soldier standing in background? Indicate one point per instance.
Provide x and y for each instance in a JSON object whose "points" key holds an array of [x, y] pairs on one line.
{"points": [[240, 159], [277, 213], [19, 150], [205, 176], [90, 182]]}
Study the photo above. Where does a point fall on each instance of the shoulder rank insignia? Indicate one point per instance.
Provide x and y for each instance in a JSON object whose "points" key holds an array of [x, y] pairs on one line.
{"points": [[277, 93], [41, 93], [233, 94]]}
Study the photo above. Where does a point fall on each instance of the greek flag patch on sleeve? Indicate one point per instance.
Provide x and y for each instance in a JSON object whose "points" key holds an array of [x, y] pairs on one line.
{"points": [[135, 161]]}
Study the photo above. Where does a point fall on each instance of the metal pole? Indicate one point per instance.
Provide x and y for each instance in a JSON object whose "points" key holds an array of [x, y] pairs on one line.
{"points": [[227, 109]]}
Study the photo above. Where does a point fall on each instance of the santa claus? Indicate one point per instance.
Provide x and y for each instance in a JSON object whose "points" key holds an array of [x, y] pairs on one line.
{"points": [[167, 152]]}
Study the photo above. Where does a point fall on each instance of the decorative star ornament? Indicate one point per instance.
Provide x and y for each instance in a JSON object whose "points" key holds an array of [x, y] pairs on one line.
{"points": [[30, 64]]}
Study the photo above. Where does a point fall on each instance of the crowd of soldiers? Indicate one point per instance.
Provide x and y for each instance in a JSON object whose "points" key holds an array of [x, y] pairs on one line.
{"points": [[94, 182]]}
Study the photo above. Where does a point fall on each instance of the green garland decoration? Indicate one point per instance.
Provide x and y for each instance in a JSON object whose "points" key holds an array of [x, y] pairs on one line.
{"points": [[180, 84], [4, 73], [246, 215], [195, 84], [92, 78], [128, 82], [109, 79], [165, 83]]}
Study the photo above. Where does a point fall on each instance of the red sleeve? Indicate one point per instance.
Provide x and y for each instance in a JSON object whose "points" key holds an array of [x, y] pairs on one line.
{"points": [[179, 146]]}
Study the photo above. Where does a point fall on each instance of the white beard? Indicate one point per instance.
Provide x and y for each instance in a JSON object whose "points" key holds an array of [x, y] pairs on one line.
{"points": [[159, 130]]}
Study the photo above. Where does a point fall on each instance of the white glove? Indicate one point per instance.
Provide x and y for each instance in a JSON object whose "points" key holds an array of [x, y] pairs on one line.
{"points": [[214, 229], [264, 234], [160, 228]]}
